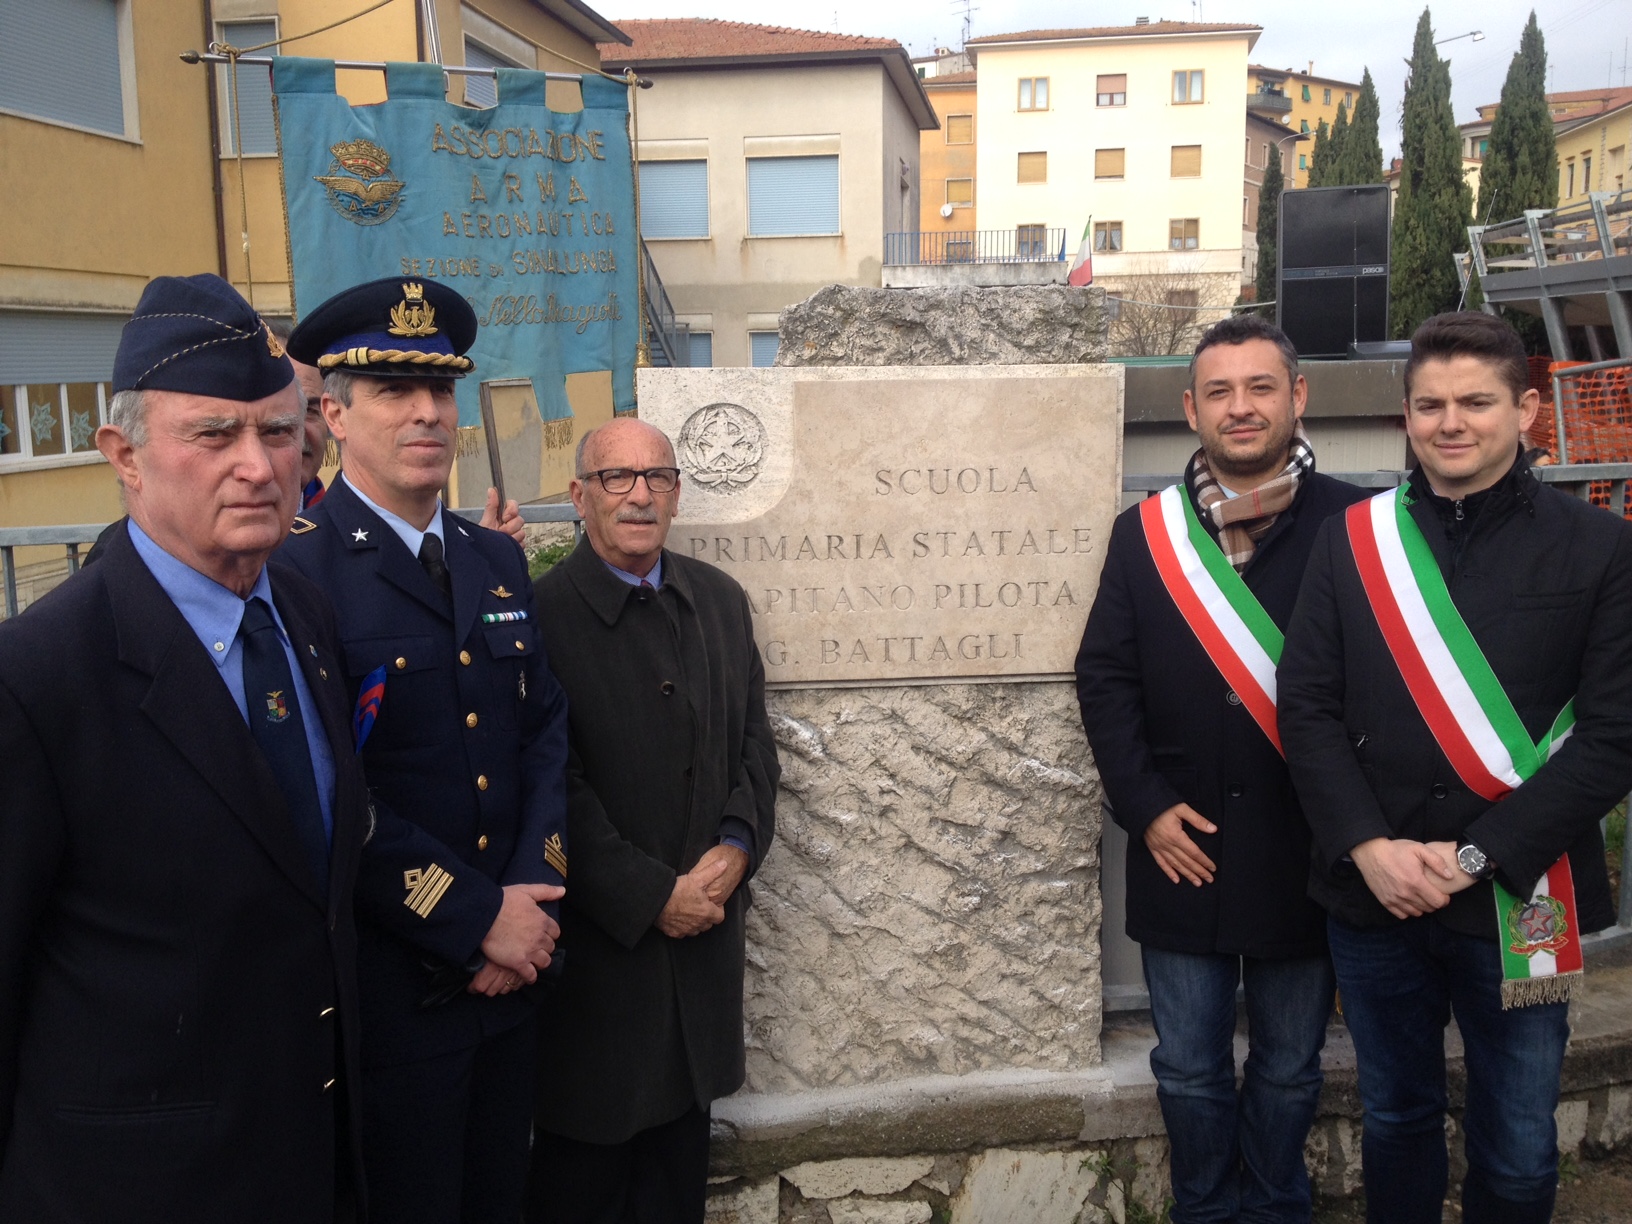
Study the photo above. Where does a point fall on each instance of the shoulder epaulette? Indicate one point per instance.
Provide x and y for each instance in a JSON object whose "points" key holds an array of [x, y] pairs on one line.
{"points": [[302, 526]]}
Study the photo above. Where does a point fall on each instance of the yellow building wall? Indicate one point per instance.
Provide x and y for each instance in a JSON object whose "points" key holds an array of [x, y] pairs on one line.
{"points": [[1606, 142], [940, 160], [1311, 112]]}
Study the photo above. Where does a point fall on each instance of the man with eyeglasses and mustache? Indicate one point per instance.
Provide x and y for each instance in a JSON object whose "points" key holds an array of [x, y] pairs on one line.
{"points": [[671, 792]]}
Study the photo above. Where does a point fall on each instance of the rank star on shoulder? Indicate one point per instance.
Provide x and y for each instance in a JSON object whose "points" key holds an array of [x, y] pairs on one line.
{"points": [[360, 535]]}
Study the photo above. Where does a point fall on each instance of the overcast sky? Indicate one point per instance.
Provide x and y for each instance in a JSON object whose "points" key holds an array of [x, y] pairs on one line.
{"points": [[1586, 40]]}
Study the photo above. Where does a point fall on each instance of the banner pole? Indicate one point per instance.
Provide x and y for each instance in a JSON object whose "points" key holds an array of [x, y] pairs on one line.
{"points": [[643, 347]]}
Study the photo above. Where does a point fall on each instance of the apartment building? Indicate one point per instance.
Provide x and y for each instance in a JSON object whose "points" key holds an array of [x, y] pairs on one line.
{"points": [[1592, 153], [772, 162], [1312, 99], [1137, 127], [947, 156]]}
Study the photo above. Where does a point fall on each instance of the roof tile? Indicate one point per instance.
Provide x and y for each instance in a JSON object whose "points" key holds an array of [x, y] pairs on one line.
{"points": [[683, 38], [1152, 27]]}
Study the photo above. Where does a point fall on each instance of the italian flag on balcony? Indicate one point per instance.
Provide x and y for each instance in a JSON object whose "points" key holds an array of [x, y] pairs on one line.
{"points": [[1082, 269]]}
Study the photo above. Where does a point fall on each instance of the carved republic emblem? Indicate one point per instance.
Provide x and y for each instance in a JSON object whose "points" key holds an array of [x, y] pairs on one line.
{"points": [[721, 447], [359, 183], [413, 316]]}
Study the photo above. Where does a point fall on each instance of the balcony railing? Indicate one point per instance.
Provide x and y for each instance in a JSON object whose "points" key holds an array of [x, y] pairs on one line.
{"points": [[670, 342], [1024, 244], [1598, 228], [1269, 102]]}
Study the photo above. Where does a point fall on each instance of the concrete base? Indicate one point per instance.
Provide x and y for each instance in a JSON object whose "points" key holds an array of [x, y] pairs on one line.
{"points": [[977, 275]]}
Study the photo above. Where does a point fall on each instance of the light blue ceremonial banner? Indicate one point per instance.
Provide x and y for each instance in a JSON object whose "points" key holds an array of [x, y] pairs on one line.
{"points": [[529, 212]]}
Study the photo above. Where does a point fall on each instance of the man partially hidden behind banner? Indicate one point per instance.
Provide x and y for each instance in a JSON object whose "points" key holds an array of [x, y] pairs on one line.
{"points": [[1176, 677], [462, 730], [181, 815], [1456, 705]]}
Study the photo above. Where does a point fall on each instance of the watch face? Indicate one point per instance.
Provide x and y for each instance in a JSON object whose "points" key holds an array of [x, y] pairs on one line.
{"points": [[1472, 859]]}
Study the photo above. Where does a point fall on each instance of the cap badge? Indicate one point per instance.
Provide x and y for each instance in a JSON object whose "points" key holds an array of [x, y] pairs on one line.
{"points": [[359, 183], [273, 344], [413, 316]]}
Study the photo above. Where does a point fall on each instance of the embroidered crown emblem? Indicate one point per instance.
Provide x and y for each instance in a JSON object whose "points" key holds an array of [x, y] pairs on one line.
{"points": [[359, 183], [413, 316], [363, 158]]}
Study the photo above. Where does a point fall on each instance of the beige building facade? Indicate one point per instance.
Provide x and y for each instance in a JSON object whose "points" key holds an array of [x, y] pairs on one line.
{"points": [[1140, 129], [1313, 100], [772, 162]]}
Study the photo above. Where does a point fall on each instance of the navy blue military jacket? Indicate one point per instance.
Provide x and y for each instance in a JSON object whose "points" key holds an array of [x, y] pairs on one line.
{"points": [[465, 761]]}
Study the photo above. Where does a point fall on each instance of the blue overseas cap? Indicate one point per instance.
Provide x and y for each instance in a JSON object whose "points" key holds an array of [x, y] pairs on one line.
{"points": [[197, 334], [389, 328]]}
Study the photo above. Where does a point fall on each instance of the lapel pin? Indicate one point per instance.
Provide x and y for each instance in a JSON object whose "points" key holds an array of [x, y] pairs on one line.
{"points": [[500, 591], [360, 535]]}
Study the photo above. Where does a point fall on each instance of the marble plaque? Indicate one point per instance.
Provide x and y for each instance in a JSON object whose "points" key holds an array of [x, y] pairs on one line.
{"points": [[900, 525]]}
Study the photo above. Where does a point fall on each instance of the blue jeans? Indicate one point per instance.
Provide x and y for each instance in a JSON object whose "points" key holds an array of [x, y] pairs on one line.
{"points": [[1400, 985], [1238, 1156]]}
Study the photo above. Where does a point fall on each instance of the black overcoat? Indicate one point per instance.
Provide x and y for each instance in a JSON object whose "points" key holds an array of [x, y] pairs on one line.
{"points": [[465, 762], [178, 1004], [669, 735], [1544, 582], [1165, 728]]}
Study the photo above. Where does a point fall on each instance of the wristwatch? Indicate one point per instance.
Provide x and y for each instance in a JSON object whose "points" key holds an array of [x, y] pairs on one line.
{"points": [[1474, 861]]}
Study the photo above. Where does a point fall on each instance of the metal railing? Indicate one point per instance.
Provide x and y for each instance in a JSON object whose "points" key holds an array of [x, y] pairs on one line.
{"points": [[670, 341], [1024, 244], [1599, 228]]}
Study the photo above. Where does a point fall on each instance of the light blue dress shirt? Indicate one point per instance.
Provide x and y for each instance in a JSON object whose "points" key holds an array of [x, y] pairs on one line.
{"points": [[655, 577], [214, 614], [410, 535]]}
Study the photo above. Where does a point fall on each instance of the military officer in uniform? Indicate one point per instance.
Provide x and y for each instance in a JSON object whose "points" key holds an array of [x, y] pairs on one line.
{"points": [[463, 739]]}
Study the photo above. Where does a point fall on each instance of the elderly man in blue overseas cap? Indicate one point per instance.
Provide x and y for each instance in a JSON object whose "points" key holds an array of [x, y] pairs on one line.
{"points": [[465, 749], [181, 820]]}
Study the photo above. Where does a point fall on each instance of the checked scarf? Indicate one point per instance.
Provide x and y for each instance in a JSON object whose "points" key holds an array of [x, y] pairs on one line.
{"points": [[1243, 521]]}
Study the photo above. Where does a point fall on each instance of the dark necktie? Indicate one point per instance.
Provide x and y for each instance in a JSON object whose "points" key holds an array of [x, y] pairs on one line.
{"points": [[430, 556], [275, 722]]}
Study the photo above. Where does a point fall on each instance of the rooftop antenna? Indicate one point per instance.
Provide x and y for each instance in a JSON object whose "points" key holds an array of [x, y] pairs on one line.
{"points": [[965, 9]]}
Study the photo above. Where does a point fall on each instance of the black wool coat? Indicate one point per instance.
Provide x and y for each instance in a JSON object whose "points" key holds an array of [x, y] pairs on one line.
{"points": [[1544, 582], [178, 1004], [669, 737], [1165, 728]]}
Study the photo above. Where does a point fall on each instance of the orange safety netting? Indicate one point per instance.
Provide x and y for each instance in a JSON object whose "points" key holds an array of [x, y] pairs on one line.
{"points": [[1597, 417]]}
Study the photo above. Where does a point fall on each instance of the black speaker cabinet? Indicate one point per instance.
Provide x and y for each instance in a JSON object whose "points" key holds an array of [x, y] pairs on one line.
{"points": [[1332, 287]]}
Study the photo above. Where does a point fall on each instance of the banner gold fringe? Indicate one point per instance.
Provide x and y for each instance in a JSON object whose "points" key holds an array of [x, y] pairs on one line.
{"points": [[472, 441], [558, 433]]}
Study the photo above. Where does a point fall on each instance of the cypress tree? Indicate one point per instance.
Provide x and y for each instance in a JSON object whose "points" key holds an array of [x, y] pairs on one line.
{"points": [[1320, 157], [1520, 169], [1336, 150], [1269, 214], [1362, 160], [1434, 205]]}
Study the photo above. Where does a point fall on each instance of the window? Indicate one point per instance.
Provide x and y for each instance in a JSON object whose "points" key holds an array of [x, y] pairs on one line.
{"points": [[1185, 161], [1184, 234], [62, 61], [1348, 98], [960, 192], [254, 124], [1327, 99], [1306, 98], [1187, 86], [1033, 93], [960, 129], [483, 90], [1305, 128], [53, 382], [1265, 162], [1246, 213], [1112, 90], [1569, 170], [1185, 299], [793, 195], [674, 199], [1586, 174], [1107, 235], [1484, 147], [1031, 241], [701, 354], [1033, 168], [1110, 163], [762, 346], [1303, 161]]}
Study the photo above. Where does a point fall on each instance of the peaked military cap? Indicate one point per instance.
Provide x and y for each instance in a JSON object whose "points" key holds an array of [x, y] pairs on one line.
{"points": [[197, 334], [412, 328]]}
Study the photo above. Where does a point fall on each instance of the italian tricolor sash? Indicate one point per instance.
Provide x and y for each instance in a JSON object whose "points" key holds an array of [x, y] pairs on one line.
{"points": [[1227, 619], [1476, 727]]}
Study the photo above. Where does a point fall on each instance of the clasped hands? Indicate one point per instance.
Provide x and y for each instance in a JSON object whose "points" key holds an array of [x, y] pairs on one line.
{"points": [[520, 942], [699, 896], [1410, 878]]}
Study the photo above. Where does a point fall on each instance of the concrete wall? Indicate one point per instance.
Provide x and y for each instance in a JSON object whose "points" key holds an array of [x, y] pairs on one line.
{"points": [[728, 283]]}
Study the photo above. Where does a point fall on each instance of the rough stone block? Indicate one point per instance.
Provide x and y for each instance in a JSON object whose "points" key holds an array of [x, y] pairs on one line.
{"points": [[833, 1179], [871, 1211], [932, 905], [1003, 1186], [1023, 325], [754, 1202], [1571, 1119], [1617, 1125]]}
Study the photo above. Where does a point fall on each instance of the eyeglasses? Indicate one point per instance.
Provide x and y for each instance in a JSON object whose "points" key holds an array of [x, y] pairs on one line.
{"points": [[622, 480]]}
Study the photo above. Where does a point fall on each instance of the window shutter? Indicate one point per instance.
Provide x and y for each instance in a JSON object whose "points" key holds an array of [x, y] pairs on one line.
{"points": [[59, 59], [255, 125], [702, 349], [1186, 161], [960, 129], [762, 348], [58, 348], [1113, 85], [674, 199], [960, 192], [1109, 163], [482, 90], [1033, 168], [793, 195]]}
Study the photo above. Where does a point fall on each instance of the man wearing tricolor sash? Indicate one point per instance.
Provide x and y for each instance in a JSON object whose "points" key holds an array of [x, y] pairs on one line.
{"points": [[1176, 678], [1456, 708]]}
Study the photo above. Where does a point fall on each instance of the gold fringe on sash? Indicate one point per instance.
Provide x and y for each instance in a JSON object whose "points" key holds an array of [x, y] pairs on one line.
{"points": [[1527, 992]]}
